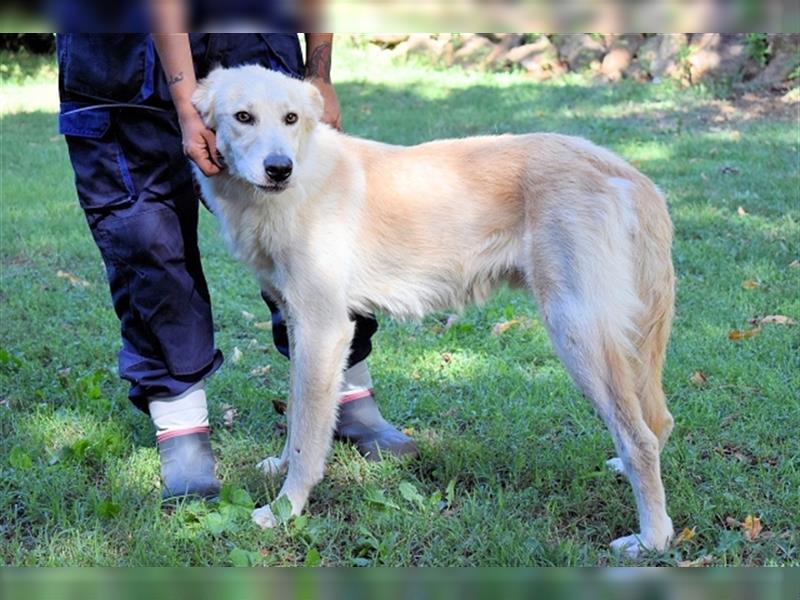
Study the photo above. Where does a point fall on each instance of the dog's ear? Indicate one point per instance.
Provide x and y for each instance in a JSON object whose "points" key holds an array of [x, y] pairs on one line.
{"points": [[203, 97]]}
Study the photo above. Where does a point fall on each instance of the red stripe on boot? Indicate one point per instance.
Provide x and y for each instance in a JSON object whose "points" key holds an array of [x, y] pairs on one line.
{"points": [[178, 432], [349, 397]]}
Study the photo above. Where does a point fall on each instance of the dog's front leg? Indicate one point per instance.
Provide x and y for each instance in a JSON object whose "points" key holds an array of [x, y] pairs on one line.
{"points": [[319, 346]]}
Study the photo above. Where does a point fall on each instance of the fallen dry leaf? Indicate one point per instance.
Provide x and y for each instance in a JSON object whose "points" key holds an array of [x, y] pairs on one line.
{"points": [[248, 315], [236, 356], [228, 414], [263, 325], [730, 450], [741, 211], [74, 280], [698, 378], [737, 334], [703, 561], [253, 344], [685, 535], [408, 430], [447, 356], [503, 326], [261, 371], [279, 404], [752, 527], [795, 264], [778, 320], [749, 284]]}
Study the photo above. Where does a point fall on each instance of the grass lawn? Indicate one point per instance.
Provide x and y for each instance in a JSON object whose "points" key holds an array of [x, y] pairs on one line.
{"points": [[511, 467]]}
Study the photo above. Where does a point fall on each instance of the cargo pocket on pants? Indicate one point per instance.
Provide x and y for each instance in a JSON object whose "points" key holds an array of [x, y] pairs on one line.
{"points": [[102, 177]]}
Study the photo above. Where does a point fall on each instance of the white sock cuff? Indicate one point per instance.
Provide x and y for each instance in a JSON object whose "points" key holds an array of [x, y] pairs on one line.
{"points": [[186, 411], [357, 382]]}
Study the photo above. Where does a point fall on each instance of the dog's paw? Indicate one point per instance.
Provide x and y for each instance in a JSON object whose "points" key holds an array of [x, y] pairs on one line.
{"points": [[272, 466], [264, 517], [615, 464], [629, 546], [634, 546]]}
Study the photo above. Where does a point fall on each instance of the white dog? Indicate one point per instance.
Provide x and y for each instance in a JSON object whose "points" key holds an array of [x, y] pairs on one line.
{"points": [[333, 225]]}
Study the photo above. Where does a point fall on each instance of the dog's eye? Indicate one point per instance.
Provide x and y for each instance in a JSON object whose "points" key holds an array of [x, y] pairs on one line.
{"points": [[290, 118], [244, 117]]}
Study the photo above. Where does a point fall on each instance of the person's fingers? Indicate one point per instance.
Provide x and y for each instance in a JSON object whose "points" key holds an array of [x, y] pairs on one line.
{"points": [[200, 147], [208, 168], [199, 156], [211, 146]]}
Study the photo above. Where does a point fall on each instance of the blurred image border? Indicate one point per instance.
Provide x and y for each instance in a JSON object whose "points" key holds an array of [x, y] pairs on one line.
{"points": [[390, 584], [373, 16]]}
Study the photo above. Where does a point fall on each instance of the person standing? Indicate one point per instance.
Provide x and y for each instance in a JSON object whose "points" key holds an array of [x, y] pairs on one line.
{"points": [[127, 128]]}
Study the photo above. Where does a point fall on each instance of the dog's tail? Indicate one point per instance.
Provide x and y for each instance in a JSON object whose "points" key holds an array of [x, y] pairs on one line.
{"points": [[656, 283]]}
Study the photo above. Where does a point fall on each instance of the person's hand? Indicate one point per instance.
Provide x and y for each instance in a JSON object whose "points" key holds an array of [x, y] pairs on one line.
{"points": [[332, 112], [199, 142]]}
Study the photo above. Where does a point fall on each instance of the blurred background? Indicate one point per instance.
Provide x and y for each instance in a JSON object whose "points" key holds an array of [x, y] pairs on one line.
{"points": [[417, 15]]}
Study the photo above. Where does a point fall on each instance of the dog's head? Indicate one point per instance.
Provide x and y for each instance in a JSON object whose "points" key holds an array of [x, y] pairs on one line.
{"points": [[263, 121]]}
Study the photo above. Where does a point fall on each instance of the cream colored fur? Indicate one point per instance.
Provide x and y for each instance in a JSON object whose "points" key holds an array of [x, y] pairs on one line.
{"points": [[365, 227]]}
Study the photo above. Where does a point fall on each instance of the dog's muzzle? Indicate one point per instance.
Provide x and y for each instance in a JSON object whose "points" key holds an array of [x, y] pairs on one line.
{"points": [[278, 167]]}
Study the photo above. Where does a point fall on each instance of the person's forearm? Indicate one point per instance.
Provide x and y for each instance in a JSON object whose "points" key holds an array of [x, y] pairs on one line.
{"points": [[176, 59], [318, 56], [199, 143]]}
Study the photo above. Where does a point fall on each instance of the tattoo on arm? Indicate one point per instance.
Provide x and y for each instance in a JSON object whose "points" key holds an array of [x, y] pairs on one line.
{"points": [[173, 79], [319, 62]]}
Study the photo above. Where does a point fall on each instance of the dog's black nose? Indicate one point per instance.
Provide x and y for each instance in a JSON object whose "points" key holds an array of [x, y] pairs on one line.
{"points": [[278, 167]]}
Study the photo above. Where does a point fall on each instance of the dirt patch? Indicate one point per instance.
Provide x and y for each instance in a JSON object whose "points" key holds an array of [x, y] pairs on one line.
{"points": [[719, 114], [750, 106]]}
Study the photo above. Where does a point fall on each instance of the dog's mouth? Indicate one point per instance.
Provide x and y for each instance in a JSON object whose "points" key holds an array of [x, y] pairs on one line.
{"points": [[272, 187]]}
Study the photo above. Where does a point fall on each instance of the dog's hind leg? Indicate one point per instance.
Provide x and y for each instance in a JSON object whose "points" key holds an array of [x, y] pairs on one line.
{"points": [[319, 345], [600, 368], [584, 274]]}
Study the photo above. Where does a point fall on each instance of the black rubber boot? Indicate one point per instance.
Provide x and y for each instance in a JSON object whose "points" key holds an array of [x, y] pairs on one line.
{"points": [[187, 467], [360, 423]]}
